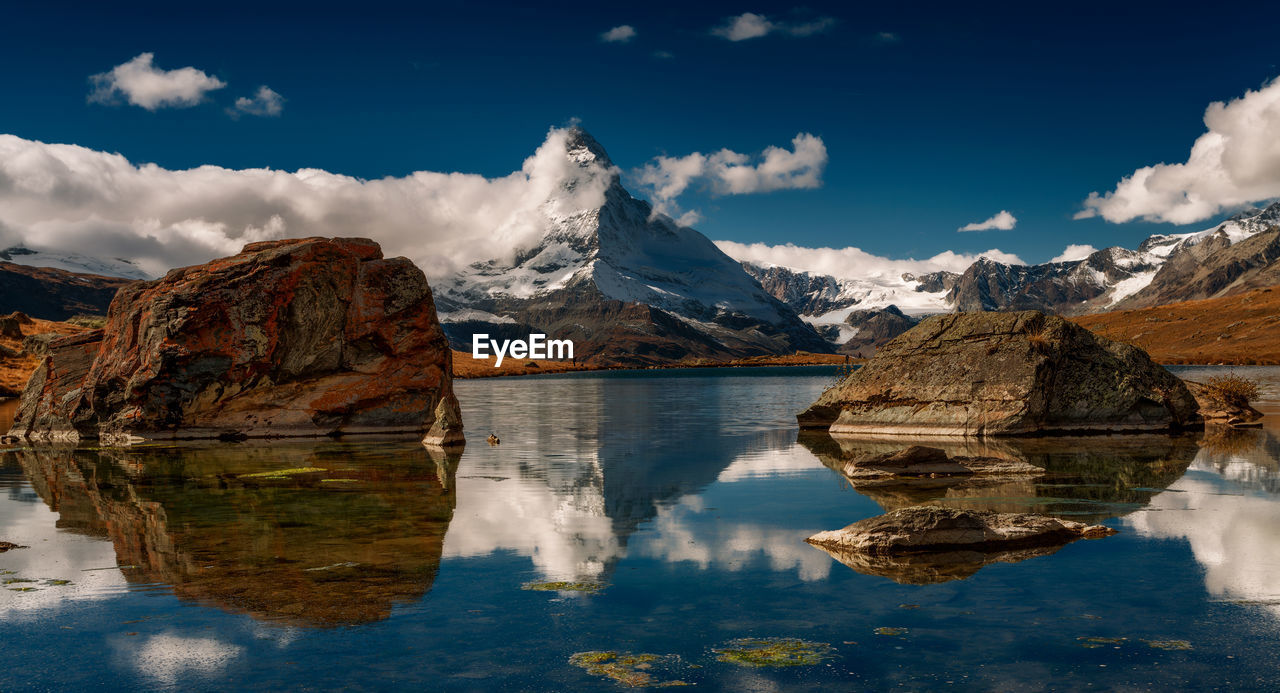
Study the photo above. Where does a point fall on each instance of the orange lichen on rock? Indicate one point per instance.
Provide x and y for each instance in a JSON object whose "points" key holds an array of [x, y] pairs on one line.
{"points": [[305, 337]]}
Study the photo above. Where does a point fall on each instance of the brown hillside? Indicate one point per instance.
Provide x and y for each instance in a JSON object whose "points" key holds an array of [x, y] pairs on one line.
{"points": [[16, 365], [1243, 329]]}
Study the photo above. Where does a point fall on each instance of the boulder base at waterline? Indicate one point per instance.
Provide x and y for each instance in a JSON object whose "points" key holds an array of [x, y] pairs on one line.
{"points": [[927, 528], [306, 337], [994, 374]]}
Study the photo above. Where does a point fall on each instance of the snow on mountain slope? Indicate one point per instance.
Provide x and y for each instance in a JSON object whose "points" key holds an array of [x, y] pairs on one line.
{"points": [[592, 262], [74, 262], [1095, 283]]}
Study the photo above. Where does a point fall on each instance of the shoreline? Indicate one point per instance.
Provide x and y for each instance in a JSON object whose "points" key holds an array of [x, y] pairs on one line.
{"points": [[481, 369]]}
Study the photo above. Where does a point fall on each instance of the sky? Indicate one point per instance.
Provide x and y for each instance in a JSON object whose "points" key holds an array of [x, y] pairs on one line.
{"points": [[888, 127]]}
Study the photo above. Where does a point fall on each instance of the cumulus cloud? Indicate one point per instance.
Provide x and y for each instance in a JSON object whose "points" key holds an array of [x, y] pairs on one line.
{"points": [[1075, 252], [749, 25], [855, 263], [1236, 162], [143, 84], [728, 172], [1002, 221], [57, 197], [619, 34], [265, 102]]}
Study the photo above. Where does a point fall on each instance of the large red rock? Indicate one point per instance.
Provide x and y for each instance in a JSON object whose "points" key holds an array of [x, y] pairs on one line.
{"points": [[304, 337]]}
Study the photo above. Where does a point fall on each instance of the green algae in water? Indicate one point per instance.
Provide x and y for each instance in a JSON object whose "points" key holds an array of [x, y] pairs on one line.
{"points": [[891, 630], [58, 583], [23, 589], [627, 669], [339, 481], [282, 473], [1094, 641], [773, 652], [14, 581], [587, 587], [1168, 644]]}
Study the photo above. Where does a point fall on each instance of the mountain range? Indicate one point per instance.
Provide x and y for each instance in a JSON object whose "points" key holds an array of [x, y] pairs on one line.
{"points": [[631, 286], [1236, 255]]}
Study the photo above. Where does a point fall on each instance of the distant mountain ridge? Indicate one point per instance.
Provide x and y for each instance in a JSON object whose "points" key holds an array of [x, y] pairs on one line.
{"points": [[1236, 255], [55, 294]]}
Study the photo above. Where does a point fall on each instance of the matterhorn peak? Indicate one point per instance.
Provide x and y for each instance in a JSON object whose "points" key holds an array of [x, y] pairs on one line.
{"points": [[583, 148]]}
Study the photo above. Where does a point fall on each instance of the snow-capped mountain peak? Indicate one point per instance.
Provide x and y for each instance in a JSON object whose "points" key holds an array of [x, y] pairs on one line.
{"points": [[594, 255]]}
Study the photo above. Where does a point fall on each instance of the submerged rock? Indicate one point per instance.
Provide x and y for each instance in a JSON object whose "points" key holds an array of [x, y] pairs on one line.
{"points": [[932, 568], [304, 337], [922, 461], [927, 528], [1094, 478], [1003, 374]]}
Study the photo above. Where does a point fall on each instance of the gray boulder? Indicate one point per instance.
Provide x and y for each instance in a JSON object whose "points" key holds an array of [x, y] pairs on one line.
{"points": [[1004, 374]]}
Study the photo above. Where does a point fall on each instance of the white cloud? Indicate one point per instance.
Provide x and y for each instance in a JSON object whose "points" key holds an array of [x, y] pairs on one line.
{"points": [[1234, 163], [619, 34], [58, 197], [749, 25], [730, 173], [266, 102], [1075, 252], [1002, 221], [143, 84], [888, 37], [855, 263], [171, 658]]}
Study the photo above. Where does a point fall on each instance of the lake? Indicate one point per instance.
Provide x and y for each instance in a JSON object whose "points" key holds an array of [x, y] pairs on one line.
{"points": [[654, 518]]}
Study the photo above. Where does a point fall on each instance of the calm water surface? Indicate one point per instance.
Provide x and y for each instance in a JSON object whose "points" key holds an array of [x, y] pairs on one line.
{"points": [[683, 495]]}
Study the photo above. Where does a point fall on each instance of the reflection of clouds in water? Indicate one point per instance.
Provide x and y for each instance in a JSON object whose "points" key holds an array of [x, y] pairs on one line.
{"points": [[1233, 537], [562, 528], [677, 537], [53, 555], [791, 460], [168, 658]]}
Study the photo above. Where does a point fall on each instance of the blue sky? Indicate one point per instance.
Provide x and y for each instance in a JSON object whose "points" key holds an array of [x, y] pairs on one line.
{"points": [[933, 115]]}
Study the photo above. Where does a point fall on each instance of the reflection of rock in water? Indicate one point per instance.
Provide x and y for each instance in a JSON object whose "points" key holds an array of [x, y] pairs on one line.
{"points": [[327, 548], [1087, 479], [932, 568], [1249, 456]]}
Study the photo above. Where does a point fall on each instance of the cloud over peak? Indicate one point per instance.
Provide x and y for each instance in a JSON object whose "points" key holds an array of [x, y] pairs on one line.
{"points": [[1075, 252], [727, 172], [1002, 221], [749, 25], [1234, 163], [143, 84], [58, 197], [619, 34]]}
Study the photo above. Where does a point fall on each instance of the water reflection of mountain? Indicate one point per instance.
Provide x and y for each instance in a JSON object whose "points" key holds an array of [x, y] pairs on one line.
{"points": [[321, 548], [1084, 479], [585, 461]]}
